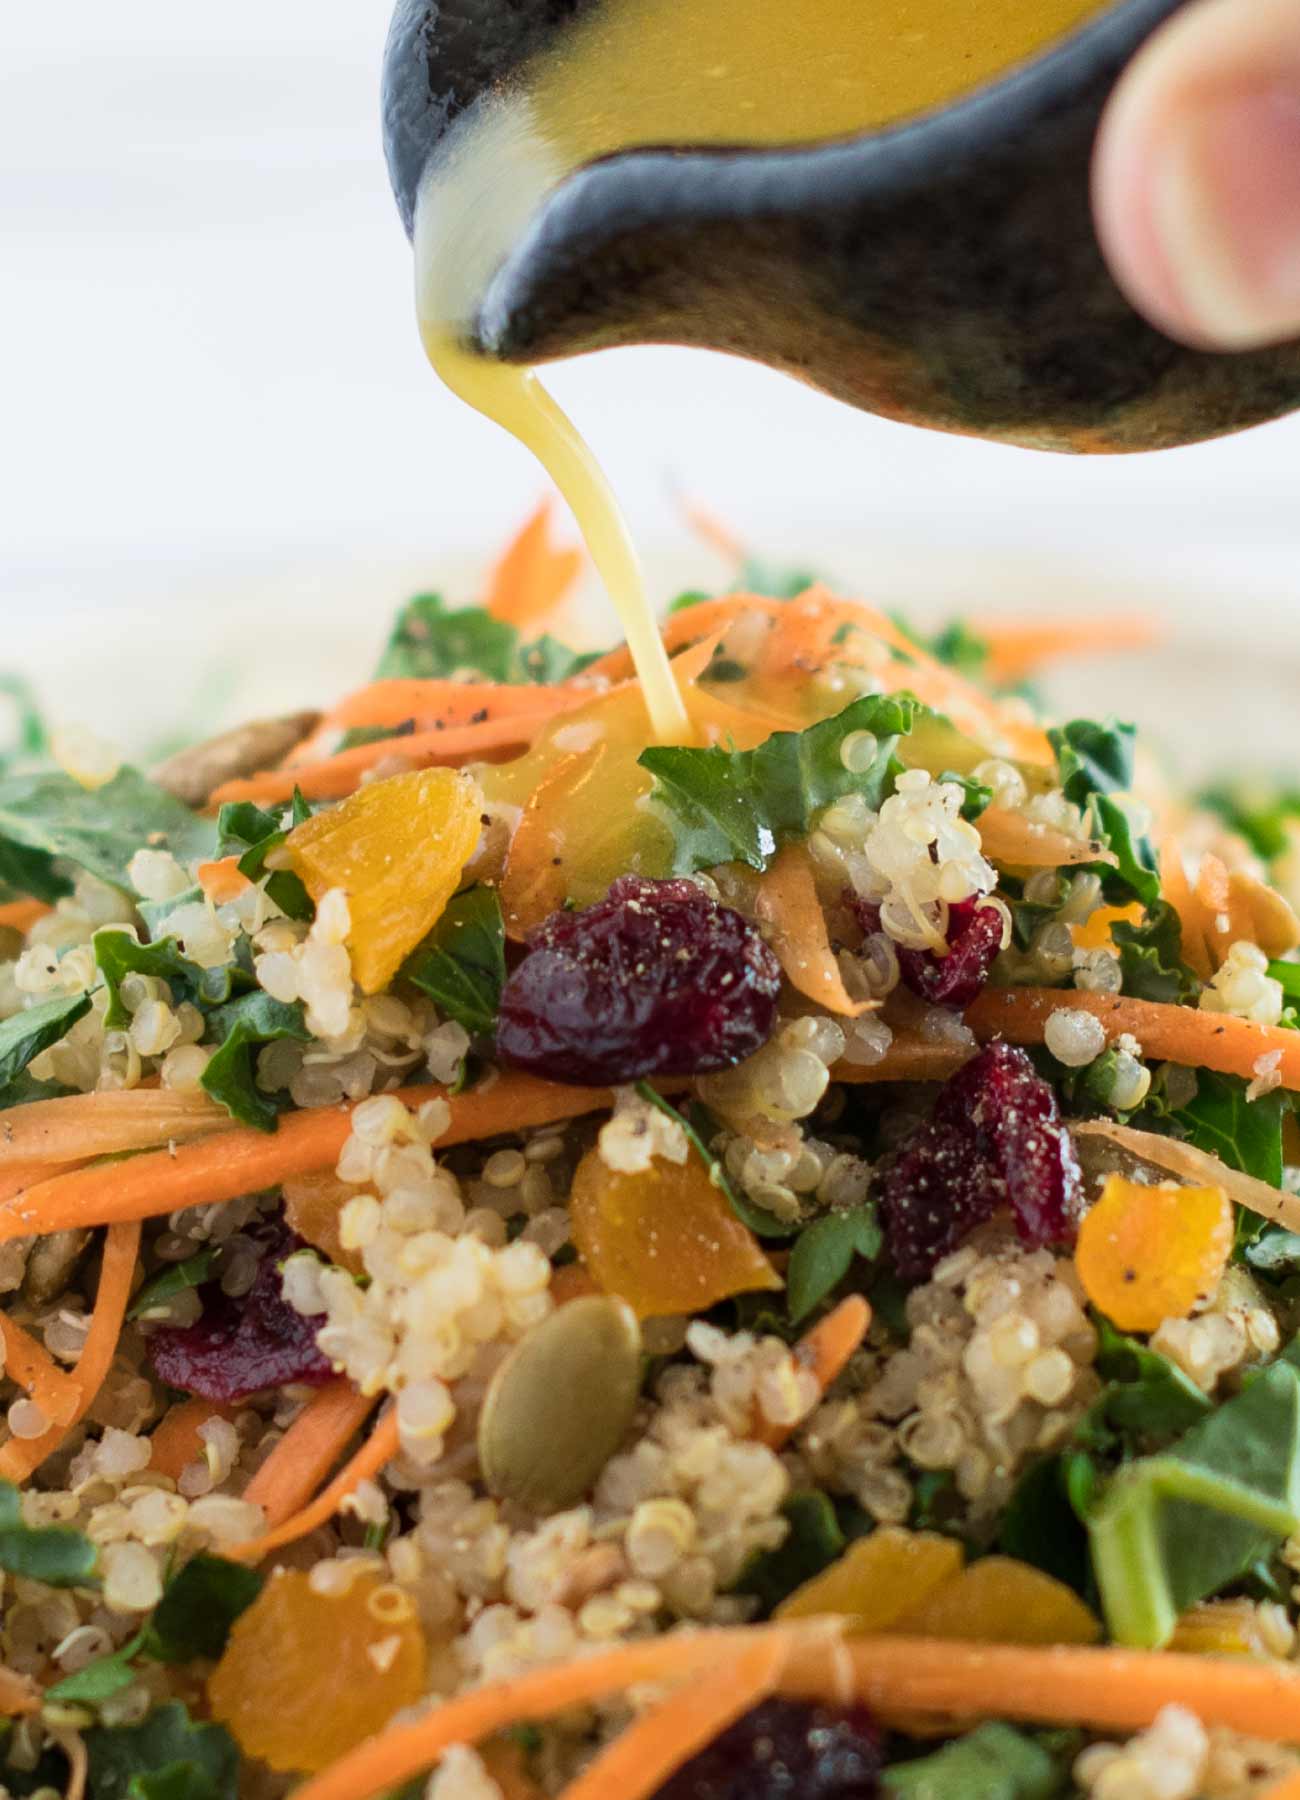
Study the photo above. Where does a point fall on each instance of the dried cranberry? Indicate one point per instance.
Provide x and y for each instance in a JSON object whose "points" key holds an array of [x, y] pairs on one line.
{"points": [[656, 979], [974, 939], [242, 1345], [786, 1750], [994, 1139]]}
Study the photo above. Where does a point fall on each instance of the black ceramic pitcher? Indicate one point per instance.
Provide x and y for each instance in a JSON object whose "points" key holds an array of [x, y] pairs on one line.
{"points": [[943, 271]]}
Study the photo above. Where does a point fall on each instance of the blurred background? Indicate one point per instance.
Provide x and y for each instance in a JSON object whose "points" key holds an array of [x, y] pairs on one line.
{"points": [[224, 461]]}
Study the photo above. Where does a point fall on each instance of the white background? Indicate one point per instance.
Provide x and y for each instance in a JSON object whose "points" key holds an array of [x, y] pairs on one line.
{"points": [[212, 397]]}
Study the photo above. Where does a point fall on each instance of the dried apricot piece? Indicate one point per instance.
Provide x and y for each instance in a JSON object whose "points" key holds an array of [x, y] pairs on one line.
{"points": [[312, 1204], [664, 1239], [879, 1579], [396, 848], [1151, 1253], [1000, 1600], [1221, 1628], [306, 1676], [1094, 933]]}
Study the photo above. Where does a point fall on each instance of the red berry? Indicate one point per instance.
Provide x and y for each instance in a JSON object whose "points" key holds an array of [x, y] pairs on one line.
{"points": [[655, 979], [786, 1750], [974, 939], [995, 1139], [242, 1345]]}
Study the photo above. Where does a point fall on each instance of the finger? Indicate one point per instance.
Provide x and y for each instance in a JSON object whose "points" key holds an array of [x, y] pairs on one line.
{"points": [[1196, 179]]}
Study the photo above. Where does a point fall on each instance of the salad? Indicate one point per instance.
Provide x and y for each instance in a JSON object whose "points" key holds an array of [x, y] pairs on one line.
{"points": [[537, 1262]]}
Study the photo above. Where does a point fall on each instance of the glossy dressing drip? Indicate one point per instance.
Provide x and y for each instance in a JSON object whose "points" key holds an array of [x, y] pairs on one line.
{"points": [[637, 72]]}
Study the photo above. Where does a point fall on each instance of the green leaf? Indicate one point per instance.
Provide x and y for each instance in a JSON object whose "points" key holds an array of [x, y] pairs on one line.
{"points": [[461, 965], [157, 912], [242, 1026], [49, 1553], [431, 641], [117, 955], [815, 1539], [48, 817], [1095, 761], [1150, 956], [169, 1282], [1040, 1525], [775, 581], [28, 737], [1275, 1252], [690, 597], [254, 832], [1171, 1530], [698, 1128], [100, 1680], [823, 1255], [741, 805], [1245, 1134], [993, 1762], [199, 1605], [1260, 811], [29, 1032], [1136, 872], [976, 795], [1147, 1399], [169, 1757]]}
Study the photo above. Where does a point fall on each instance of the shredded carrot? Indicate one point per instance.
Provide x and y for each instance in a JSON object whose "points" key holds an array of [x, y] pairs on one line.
{"points": [[908, 1059], [1213, 897], [534, 575], [1181, 1034], [30, 1364], [1107, 1689], [788, 904], [14, 1177], [174, 1442], [429, 705], [1009, 837], [380, 1447], [21, 915], [334, 777], [825, 1350], [712, 530], [222, 880], [244, 1161], [1177, 890], [19, 1695], [20, 1457], [1018, 647], [1288, 1789], [309, 1449], [652, 1749], [76, 1127]]}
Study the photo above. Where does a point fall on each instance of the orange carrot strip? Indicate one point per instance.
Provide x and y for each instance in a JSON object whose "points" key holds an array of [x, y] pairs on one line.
{"points": [[309, 1449], [907, 1059], [30, 1364], [14, 1177], [174, 1442], [534, 575], [244, 1161], [19, 1695], [334, 777], [824, 1350], [21, 1457], [21, 915], [1287, 1789], [1177, 889], [222, 880], [1213, 896], [1008, 837], [435, 704], [1104, 1688], [380, 1447], [644, 1756], [1181, 1034], [788, 904], [1017, 647], [80, 1126], [686, 627]]}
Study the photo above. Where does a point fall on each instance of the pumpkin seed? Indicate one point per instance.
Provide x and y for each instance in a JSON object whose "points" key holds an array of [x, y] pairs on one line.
{"points": [[560, 1404]]}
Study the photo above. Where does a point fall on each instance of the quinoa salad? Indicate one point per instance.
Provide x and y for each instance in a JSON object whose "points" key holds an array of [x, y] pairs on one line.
{"points": [[535, 1262]]}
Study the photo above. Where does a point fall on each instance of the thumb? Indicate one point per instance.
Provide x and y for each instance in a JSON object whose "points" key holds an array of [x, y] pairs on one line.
{"points": [[1196, 180]]}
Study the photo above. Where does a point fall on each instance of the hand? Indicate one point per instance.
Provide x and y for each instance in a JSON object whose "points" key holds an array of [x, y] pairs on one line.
{"points": [[1196, 182]]}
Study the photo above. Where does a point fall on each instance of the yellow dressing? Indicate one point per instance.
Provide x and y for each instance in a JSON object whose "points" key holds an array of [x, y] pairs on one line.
{"points": [[681, 72]]}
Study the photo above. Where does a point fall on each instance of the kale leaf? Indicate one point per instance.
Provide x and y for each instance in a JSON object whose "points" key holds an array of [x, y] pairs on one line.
{"points": [[813, 1542], [199, 1605], [168, 1757], [49, 1553], [993, 1762], [1095, 761], [461, 965], [27, 1033], [1169, 1530], [240, 1027], [431, 641], [1150, 956], [118, 954], [176, 1278], [741, 805], [254, 833], [823, 1254], [47, 818], [1245, 1134]]}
